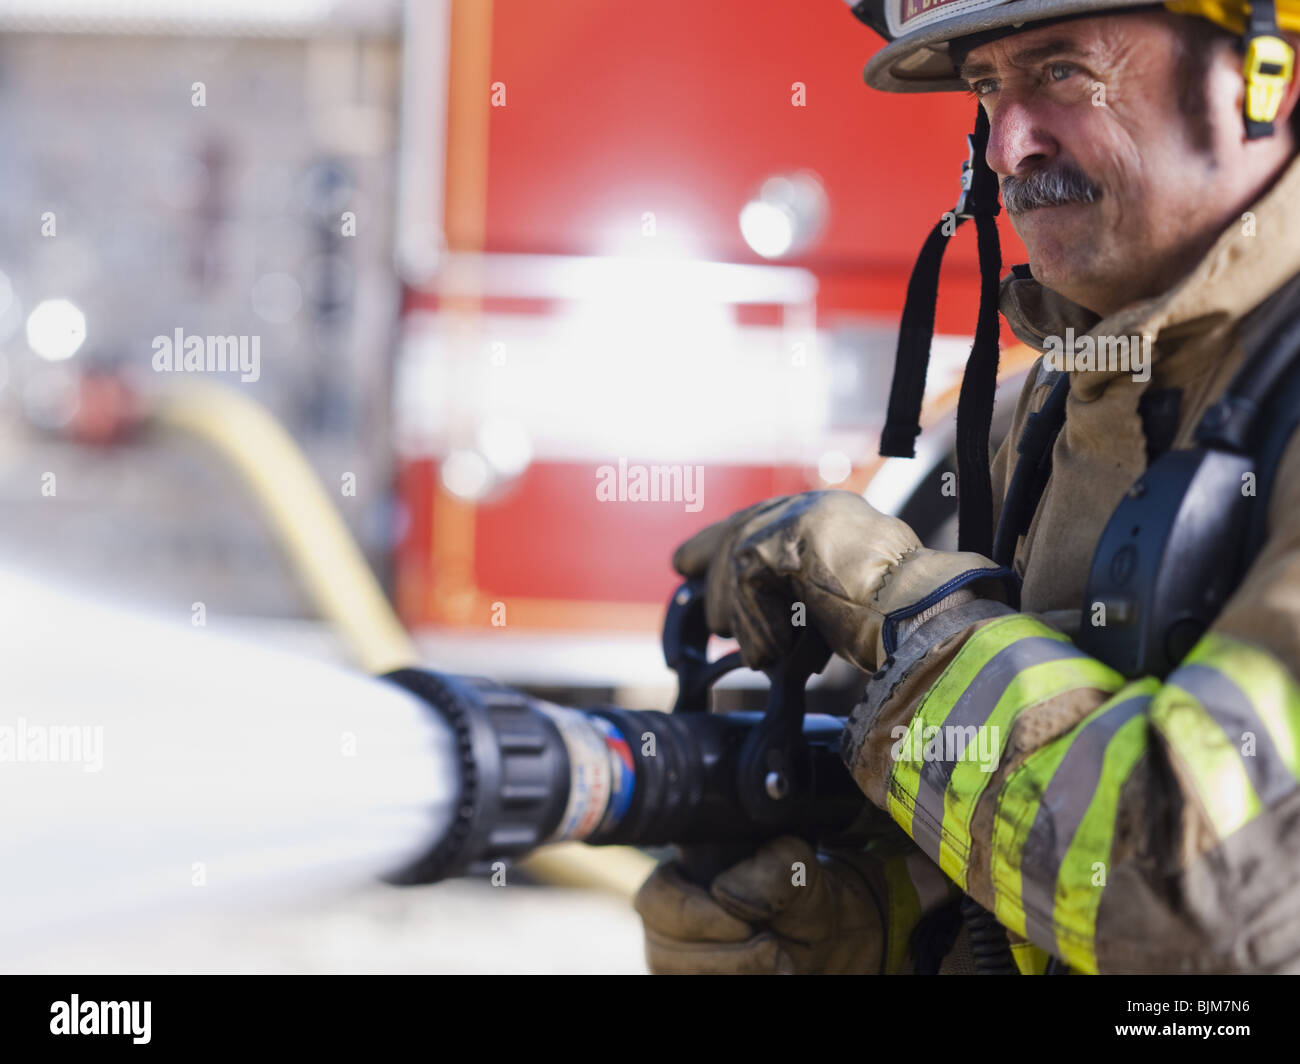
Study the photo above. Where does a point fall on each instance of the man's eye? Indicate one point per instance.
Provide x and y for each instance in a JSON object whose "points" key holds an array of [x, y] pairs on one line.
{"points": [[1060, 71], [983, 86]]}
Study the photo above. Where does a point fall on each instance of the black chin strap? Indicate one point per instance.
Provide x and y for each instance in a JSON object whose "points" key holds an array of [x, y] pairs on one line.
{"points": [[979, 200]]}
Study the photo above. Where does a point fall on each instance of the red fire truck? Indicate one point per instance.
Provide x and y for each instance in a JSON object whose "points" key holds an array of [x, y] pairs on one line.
{"points": [[583, 297]]}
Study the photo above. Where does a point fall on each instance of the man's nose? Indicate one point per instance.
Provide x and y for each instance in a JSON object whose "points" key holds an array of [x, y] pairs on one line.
{"points": [[1018, 143]]}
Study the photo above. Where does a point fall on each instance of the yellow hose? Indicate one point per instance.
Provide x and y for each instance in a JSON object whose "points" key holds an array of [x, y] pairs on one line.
{"points": [[616, 869], [345, 591], [323, 552]]}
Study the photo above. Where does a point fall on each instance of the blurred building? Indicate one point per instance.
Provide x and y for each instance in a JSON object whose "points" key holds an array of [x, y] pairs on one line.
{"points": [[189, 166]]}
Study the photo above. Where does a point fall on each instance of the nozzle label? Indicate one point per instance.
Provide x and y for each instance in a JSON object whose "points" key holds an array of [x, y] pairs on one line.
{"points": [[601, 775], [623, 780]]}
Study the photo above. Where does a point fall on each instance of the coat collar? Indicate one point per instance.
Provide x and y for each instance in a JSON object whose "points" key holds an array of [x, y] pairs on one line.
{"points": [[1251, 259]]}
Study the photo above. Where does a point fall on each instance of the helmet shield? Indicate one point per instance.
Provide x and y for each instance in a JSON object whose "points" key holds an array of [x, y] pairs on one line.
{"points": [[917, 59]]}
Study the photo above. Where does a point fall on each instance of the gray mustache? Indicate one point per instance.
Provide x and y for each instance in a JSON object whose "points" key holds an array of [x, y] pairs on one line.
{"points": [[1048, 188]]}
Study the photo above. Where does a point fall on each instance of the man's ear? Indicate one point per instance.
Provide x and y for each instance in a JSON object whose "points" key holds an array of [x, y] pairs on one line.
{"points": [[1291, 98]]}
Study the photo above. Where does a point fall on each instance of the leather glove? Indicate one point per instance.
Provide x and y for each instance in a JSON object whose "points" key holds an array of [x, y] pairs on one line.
{"points": [[852, 567], [765, 916]]}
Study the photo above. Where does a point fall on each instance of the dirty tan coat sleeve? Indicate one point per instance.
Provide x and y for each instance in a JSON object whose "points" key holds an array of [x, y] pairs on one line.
{"points": [[1123, 826]]}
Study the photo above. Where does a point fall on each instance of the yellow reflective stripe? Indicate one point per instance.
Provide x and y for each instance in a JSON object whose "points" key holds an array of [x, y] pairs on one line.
{"points": [[1087, 862], [1017, 806], [1211, 758], [1043, 791], [1238, 682], [969, 779], [903, 912], [974, 654], [1029, 958], [1265, 681]]}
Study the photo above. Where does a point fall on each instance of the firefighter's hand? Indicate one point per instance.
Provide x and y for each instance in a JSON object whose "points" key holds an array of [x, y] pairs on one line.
{"points": [[779, 912], [822, 558]]}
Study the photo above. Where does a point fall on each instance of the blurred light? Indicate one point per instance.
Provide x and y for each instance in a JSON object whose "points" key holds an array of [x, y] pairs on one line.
{"points": [[668, 241], [505, 445], [786, 215], [767, 229], [592, 278], [56, 328], [466, 474], [834, 467], [276, 297], [638, 359]]}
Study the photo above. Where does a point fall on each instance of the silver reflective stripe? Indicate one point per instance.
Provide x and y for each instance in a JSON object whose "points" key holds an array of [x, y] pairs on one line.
{"points": [[1230, 708], [973, 707], [1065, 801]]}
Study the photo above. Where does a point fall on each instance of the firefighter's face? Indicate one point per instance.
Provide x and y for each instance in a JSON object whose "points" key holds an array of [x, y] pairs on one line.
{"points": [[1112, 179]]}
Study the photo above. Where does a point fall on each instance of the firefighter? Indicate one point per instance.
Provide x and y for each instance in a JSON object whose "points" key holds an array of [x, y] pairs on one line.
{"points": [[1147, 157]]}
